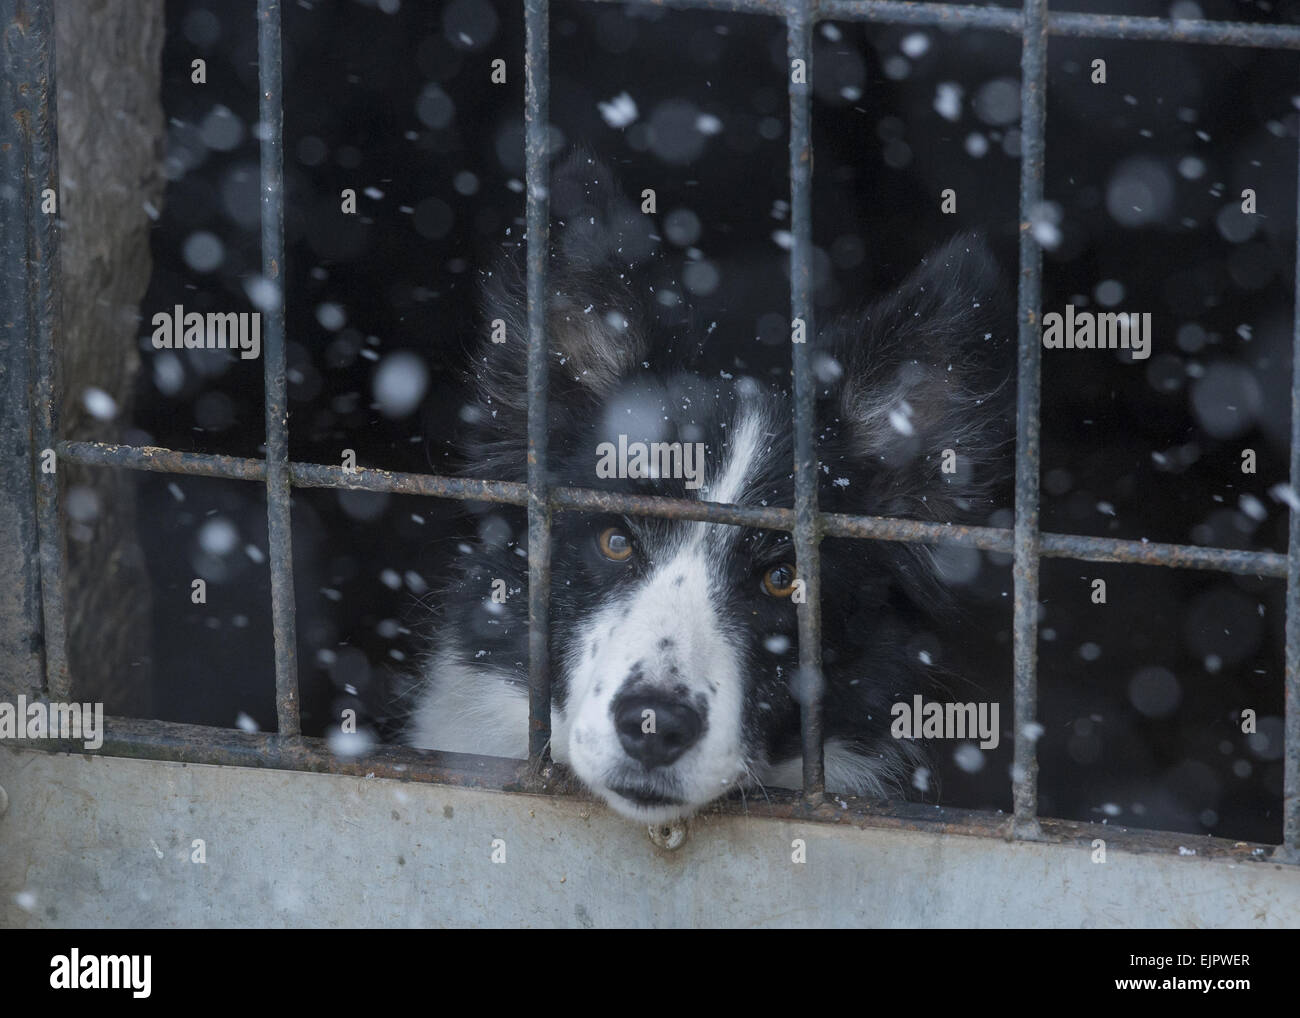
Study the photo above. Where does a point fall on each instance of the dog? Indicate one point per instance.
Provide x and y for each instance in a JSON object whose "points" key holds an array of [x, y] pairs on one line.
{"points": [[674, 657]]}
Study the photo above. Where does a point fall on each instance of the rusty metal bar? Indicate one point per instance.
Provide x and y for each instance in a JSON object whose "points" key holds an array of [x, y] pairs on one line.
{"points": [[31, 320], [1150, 553], [1290, 847], [881, 528], [536, 111], [995, 19], [1216, 33], [775, 8], [1033, 121], [270, 76], [22, 663], [157, 460], [197, 744], [799, 22]]}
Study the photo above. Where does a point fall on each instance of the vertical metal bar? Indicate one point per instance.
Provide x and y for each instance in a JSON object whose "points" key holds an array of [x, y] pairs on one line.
{"points": [[1290, 848], [270, 76], [1033, 117], [536, 110], [799, 24], [30, 319]]}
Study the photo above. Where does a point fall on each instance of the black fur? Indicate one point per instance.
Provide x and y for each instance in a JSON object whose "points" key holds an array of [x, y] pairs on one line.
{"points": [[924, 370]]}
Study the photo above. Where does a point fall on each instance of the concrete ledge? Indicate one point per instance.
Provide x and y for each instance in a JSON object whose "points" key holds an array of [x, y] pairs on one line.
{"points": [[92, 841]]}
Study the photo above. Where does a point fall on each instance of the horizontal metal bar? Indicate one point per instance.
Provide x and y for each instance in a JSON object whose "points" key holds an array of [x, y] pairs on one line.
{"points": [[1152, 553], [315, 475], [198, 744], [890, 12], [1216, 33], [144, 739], [303, 475], [776, 8], [1087, 26]]}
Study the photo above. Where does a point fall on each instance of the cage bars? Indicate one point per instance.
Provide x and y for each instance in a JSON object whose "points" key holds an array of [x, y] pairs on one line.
{"points": [[29, 57]]}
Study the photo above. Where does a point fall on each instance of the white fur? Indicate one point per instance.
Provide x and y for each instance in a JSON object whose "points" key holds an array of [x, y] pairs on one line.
{"points": [[674, 602], [707, 665], [847, 772], [744, 449], [465, 708]]}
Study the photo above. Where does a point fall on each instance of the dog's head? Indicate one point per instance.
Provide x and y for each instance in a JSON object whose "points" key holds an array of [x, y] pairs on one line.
{"points": [[674, 646]]}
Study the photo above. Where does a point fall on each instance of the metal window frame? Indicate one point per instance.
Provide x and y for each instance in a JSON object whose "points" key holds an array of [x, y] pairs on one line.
{"points": [[29, 325]]}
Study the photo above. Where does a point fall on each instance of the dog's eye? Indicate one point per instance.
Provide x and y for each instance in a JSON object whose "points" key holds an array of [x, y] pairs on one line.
{"points": [[779, 580], [615, 544]]}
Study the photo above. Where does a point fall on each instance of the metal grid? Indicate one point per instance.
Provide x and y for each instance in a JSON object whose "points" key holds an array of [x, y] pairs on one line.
{"points": [[35, 261]]}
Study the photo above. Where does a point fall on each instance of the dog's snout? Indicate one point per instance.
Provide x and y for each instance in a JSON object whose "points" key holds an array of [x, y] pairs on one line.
{"points": [[655, 730]]}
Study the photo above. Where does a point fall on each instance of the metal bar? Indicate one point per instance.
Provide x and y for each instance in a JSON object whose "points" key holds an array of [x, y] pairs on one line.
{"points": [[880, 528], [197, 744], [939, 15], [799, 24], [45, 292], [1217, 33], [1290, 848], [31, 320], [1087, 26], [1177, 556], [536, 111], [270, 76], [776, 8], [1033, 120], [157, 460]]}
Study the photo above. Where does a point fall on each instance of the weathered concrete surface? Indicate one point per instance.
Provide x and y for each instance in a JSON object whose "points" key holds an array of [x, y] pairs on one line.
{"points": [[95, 841], [108, 56]]}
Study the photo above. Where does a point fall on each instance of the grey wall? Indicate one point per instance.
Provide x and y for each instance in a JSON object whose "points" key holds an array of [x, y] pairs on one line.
{"points": [[97, 841]]}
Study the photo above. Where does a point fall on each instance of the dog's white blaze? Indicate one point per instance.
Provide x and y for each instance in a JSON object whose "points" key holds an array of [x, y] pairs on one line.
{"points": [[669, 631], [744, 448], [673, 604]]}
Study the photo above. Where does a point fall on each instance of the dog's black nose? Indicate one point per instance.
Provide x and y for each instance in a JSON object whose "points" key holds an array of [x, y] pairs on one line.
{"points": [[654, 729]]}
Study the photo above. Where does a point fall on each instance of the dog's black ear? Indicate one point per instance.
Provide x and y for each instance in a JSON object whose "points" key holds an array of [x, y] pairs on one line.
{"points": [[597, 323], [922, 387]]}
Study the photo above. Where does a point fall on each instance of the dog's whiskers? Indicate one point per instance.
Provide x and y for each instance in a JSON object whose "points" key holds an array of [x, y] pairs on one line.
{"points": [[758, 782]]}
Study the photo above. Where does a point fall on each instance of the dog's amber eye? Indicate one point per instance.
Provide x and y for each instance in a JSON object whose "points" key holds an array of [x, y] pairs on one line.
{"points": [[779, 580], [615, 544]]}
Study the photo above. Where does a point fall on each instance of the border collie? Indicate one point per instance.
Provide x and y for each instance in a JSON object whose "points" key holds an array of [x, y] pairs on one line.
{"points": [[674, 657]]}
